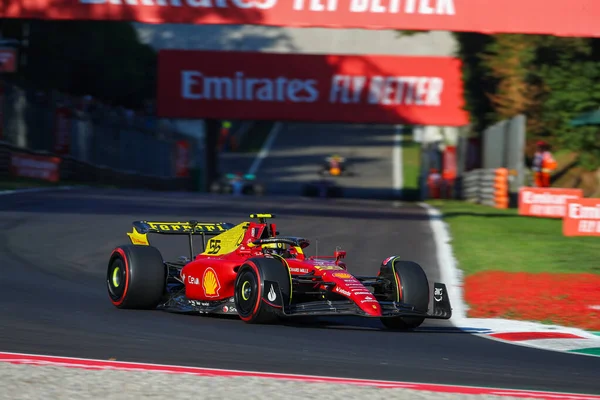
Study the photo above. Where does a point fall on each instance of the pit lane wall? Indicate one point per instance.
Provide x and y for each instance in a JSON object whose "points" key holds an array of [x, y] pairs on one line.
{"points": [[52, 137]]}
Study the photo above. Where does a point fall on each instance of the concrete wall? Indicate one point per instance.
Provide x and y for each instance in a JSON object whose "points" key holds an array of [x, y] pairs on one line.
{"points": [[295, 40]]}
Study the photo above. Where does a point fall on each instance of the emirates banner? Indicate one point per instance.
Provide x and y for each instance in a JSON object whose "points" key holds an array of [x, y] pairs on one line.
{"points": [[317, 88], [566, 18]]}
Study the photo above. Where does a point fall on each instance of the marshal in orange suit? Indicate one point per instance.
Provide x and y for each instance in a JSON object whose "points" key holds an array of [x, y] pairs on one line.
{"points": [[543, 164]]}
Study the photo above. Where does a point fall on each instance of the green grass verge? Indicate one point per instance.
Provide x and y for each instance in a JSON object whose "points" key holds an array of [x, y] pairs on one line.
{"points": [[411, 165], [485, 238]]}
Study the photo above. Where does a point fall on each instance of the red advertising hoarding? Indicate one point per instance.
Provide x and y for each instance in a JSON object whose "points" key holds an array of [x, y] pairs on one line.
{"points": [[318, 88], [563, 18], [34, 166], [582, 217], [546, 202]]}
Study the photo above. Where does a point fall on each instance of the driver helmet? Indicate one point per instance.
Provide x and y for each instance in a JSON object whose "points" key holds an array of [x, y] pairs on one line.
{"points": [[274, 248]]}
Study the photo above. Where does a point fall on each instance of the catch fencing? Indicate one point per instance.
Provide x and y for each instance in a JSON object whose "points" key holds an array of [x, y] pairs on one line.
{"points": [[95, 143]]}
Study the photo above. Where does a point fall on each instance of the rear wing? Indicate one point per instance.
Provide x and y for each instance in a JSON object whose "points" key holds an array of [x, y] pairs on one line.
{"points": [[141, 229]]}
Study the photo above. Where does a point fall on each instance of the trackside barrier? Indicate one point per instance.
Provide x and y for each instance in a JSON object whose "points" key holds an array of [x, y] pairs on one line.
{"points": [[23, 163], [486, 186], [501, 199]]}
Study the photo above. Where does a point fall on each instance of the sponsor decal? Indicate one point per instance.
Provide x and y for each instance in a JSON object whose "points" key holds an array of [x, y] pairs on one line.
{"points": [[420, 15], [369, 300], [302, 270], [387, 260], [340, 88], [342, 275], [361, 293], [582, 217], [546, 202], [337, 289], [438, 293], [272, 295], [184, 227], [35, 166], [193, 281], [210, 283], [198, 303], [229, 309]]}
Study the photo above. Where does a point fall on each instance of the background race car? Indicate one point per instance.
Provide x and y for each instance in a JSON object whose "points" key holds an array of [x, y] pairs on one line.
{"points": [[322, 188], [238, 184], [249, 270], [336, 166]]}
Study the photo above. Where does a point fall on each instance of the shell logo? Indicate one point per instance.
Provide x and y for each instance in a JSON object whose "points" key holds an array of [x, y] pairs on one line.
{"points": [[342, 275], [210, 283]]}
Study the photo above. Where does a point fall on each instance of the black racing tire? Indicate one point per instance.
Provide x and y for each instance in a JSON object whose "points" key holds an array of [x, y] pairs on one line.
{"points": [[335, 192], [215, 187], [309, 191], [259, 190], [227, 188], [136, 277], [262, 287], [412, 287]]}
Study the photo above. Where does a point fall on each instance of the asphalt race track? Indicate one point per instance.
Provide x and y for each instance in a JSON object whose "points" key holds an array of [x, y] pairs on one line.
{"points": [[55, 246]]}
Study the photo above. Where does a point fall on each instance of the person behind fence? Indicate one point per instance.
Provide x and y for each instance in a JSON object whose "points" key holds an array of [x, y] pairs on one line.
{"points": [[543, 164]]}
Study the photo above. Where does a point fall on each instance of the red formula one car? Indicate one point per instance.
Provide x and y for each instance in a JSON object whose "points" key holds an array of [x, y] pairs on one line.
{"points": [[251, 271]]}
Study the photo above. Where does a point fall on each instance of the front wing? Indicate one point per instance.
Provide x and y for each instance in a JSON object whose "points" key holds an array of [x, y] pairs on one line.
{"points": [[441, 307]]}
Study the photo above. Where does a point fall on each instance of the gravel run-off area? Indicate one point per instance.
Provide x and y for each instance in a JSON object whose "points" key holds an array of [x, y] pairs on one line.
{"points": [[24, 382]]}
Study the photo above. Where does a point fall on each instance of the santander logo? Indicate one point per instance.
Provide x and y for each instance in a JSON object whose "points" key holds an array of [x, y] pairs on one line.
{"points": [[337, 289]]}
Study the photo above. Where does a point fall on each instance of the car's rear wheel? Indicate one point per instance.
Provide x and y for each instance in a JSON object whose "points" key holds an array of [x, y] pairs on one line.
{"points": [[136, 277], [409, 285], [262, 288]]}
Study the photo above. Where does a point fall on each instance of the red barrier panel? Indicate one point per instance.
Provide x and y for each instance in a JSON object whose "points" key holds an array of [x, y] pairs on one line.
{"points": [[323, 88], [566, 18], [34, 166]]}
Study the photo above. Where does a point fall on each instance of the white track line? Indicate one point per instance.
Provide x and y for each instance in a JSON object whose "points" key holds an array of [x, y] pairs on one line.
{"points": [[38, 189], [449, 272], [264, 151], [397, 172]]}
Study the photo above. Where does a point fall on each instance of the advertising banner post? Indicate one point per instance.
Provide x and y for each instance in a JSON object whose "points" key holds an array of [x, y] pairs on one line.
{"points": [[546, 202], [182, 158], [582, 217], [314, 88], [62, 131]]}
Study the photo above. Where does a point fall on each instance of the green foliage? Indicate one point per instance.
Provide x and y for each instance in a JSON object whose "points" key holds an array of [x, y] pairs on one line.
{"points": [[549, 79], [101, 58]]}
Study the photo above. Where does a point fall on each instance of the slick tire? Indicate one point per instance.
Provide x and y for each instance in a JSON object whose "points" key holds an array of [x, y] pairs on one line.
{"points": [[215, 188], [410, 286], [259, 190], [261, 289], [136, 277], [309, 191]]}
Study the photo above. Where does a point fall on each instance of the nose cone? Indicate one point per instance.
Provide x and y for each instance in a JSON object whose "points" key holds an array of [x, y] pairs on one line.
{"points": [[350, 287]]}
